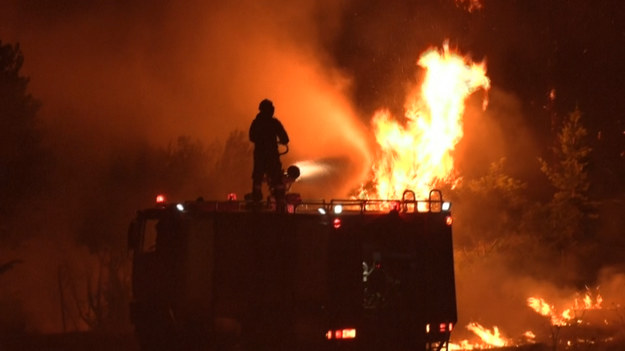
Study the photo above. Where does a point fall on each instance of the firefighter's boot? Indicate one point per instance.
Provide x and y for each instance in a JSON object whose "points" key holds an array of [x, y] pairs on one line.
{"points": [[253, 199], [280, 195], [256, 195]]}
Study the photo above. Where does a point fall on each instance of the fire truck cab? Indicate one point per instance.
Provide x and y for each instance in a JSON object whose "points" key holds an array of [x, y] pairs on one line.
{"points": [[343, 274]]}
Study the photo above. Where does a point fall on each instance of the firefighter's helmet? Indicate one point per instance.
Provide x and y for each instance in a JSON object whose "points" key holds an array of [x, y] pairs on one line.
{"points": [[266, 106]]}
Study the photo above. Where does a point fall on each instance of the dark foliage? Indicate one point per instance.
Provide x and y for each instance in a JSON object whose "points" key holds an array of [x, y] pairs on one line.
{"points": [[183, 170], [491, 206], [494, 213], [570, 207], [21, 152]]}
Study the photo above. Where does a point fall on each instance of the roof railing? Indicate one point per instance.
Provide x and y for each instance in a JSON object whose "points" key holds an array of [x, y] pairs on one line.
{"points": [[407, 204]]}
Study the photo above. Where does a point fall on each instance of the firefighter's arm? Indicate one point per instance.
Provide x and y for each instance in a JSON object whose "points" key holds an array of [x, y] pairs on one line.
{"points": [[252, 133], [283, 138]]}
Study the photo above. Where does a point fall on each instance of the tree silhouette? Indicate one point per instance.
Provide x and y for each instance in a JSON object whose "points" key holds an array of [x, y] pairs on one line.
{"points": [[21, 153], [233, 169], [570, 206], [496, 193]]}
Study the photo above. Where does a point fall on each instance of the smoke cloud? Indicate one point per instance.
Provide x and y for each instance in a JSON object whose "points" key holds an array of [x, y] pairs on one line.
{"points": [[113, 76], [114, 73]]}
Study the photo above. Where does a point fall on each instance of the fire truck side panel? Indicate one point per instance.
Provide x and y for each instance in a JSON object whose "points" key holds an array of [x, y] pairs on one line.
{"points": [[269, 280], [311, 281], [196, 292], [440, 280], [272, 281]]}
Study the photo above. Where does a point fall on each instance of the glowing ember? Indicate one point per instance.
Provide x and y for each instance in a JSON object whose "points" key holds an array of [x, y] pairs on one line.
{"points": [[417, 154], [529, 335], [470, 5]]}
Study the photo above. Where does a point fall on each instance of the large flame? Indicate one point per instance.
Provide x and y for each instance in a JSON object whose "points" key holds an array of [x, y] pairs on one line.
{"points": [[568, 314], [417, 154]]}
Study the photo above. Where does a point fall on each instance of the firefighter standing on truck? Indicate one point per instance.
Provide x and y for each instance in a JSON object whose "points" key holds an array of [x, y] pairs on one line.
{"points": [[266, 132]]}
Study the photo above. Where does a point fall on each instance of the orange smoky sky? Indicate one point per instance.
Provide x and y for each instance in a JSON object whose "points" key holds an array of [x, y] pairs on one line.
{"points": [[114, 72]]}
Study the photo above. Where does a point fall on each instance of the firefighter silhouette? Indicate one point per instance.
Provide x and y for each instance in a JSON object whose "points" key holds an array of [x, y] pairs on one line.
{"points": [[266, 132]]}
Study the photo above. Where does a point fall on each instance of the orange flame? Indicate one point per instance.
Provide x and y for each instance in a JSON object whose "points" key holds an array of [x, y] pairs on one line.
{"points": [[543, 308], [569, 314], [529, 335], [464, 345], [490, 338], [417, 155]]}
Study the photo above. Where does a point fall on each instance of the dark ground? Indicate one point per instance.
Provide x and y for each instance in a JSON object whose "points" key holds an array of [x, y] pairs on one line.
{"points": [[127, 342], [69, 342]]}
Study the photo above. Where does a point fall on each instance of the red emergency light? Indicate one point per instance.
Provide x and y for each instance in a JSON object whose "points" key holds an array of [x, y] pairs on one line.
{"points": [[449, 220], [341, 334], [160, 199], [337, 223], [442, 327]]}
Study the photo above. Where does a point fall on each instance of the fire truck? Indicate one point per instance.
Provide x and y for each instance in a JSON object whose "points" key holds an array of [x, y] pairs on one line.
{"points": [[319, 275]]}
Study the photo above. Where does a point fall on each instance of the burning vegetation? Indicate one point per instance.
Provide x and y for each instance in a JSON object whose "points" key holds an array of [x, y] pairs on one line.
{"points": [[581, 322], [417, 153], [570, 314]]}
